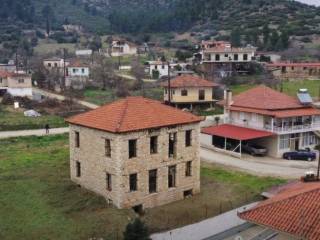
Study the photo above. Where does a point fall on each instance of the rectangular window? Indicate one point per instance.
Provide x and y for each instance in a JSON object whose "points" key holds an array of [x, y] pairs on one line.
{"points": [[77, 139], [78, 169], [0, 80], [202, 94], [245, 57], [236, 57], [108, 182], [284, 142], [153, 181], [172, 176], [172, 144], [132, 148], [82, 70], [153, 144], [49, 64], [189, 169], [217, 57], [21, 80], [133, 182], [107, 146], [56, 64], [184, 92], [188, 138]]}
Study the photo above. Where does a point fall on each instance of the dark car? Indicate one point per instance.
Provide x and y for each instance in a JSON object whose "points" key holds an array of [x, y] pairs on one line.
{"points": [[305, 155], [254, 149]]}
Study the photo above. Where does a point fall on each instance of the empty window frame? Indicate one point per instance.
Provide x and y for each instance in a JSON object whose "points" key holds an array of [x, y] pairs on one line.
{"points": [[245, 57], [172, 145], [172, 176], [154, 144], [153, 181], [132, 148], [77, 139], [189, 169], [202, 94], [133, 180], [236, 57], [188, 138], [184, 92], [217, 57], [78, 169], [108, 181], [107, 147]]}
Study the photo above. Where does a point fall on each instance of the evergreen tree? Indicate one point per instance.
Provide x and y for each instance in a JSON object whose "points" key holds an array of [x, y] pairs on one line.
{"points": [[136, 231], [235, 37], [265, 32]]}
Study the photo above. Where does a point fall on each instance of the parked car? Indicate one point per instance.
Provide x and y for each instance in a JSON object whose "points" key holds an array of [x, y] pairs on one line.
{"points": [[254, 149], [306, 155]]}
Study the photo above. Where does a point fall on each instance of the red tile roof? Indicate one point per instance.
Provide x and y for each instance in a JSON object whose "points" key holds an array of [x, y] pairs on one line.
{"points": [[295, 211], [187, 80], [133, 114], [235, 132], [265, 98], [5, 74], [284, 64]]}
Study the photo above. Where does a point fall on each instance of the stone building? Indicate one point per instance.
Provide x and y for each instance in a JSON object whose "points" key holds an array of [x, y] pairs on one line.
{"points": [[136, 152]]}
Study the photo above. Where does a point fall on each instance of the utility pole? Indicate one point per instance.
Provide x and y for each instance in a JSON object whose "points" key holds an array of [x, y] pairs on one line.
{"points": [[169, 84], [64, 69], [17, 63]]}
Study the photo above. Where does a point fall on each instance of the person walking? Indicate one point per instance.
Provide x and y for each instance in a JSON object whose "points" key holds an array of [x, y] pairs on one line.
{"points": [[47, 127]]}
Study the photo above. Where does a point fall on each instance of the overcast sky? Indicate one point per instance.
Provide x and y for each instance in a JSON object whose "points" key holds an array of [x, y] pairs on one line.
{"points": [[313, 2]]}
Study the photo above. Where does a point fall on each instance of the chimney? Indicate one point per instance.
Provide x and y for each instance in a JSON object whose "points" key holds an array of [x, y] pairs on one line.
{"points": [[228, 99]]}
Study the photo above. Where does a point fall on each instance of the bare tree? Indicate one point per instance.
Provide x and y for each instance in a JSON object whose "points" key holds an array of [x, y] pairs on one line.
{"points": [[103, 72], [138, 71]]}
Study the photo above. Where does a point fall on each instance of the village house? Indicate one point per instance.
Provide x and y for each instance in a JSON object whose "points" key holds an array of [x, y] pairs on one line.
{"points": [[158, 69], [221, 58], [136, 152], [266, 117], [291, 214], [295, 71], [122, 48], [189, 91], [84, 53], [55, 63], [8, 67], [16, 84], [77, 74]]}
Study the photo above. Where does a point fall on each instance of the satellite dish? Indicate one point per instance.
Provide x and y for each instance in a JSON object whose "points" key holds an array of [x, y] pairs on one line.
{"points": [[238, 238]]}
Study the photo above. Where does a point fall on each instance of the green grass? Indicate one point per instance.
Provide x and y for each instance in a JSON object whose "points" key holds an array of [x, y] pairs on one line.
{"points": [[38, 201], [100, 97], [15, 120], [291, 88], [44, 47]]}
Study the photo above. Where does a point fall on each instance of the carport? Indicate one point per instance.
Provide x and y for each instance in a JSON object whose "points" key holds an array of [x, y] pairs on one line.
{"points": [[229, 137]]}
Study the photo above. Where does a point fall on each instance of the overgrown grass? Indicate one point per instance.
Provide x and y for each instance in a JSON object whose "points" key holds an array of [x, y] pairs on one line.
{"points": [[11, 119], [290, 88], [38, 201]]}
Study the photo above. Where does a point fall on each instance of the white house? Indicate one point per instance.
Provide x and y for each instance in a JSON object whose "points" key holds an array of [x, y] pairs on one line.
{"points": [[55, 63], [77, 73], [122, 48], [16, 84], [84, 53], [158, 68]]}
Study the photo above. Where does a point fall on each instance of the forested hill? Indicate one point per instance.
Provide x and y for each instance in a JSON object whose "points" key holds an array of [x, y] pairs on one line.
{"points": [[136, 16]]}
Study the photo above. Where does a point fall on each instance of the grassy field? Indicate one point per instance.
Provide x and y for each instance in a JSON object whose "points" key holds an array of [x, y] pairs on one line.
{"points": [[290, 88], [101, 97], [11, 119], [38, 201], [44, 47]]}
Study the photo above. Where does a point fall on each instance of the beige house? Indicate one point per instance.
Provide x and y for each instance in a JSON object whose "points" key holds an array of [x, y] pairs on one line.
{"points": [[16, 84], [266, 117], [295, 71], [55, 63], [189, 91], [122, 48], [136, 152]]}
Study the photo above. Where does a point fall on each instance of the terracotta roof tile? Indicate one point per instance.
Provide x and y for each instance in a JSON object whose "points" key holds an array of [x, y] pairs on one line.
{"points": [[265, 98], [187, 80], [133, 114], [295, 211]]}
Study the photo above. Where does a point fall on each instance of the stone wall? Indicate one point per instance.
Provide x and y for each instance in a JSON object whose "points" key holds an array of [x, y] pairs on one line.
{"points": [[94, 165]]}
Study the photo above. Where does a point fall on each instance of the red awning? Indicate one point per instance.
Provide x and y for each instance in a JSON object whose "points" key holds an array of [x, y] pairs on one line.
{"points": [[235, 132]]}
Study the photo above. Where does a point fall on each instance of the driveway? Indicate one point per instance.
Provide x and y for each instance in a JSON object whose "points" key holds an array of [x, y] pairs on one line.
{"points": [[262, 166], [37, 132]]}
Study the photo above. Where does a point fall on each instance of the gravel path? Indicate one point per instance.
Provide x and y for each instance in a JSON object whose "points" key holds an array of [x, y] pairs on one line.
{"points": [[38, 132]]}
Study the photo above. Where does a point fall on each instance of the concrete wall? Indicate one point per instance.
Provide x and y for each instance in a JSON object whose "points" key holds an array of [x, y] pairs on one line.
{"points": [[94, 165], [193, 95]]}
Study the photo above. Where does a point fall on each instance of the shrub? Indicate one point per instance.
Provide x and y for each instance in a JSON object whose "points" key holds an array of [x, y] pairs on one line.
{"points": [[136, 231]]}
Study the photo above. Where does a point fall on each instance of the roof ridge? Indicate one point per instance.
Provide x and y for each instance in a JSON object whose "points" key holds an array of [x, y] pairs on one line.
{"points": [[122, 115]]}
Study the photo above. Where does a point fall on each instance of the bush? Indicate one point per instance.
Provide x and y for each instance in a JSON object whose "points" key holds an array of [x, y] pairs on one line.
{"points": [[136, 231], [7, 99]]}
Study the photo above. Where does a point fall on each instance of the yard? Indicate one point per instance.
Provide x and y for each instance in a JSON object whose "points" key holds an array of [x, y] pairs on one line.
{"points": [[11, 119], [290, 88], [39, 202]]}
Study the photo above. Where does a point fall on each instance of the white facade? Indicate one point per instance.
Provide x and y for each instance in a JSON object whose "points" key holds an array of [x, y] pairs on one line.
{"points": [[55, 63], [228, 55], [84, 52], [121, 48], [20, 92], [78, 71], [163, 69]]}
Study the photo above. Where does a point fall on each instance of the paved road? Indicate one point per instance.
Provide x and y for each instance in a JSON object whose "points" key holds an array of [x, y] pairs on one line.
{"points": [[61, 98], [38, 132], [263, 166], [206, 228]]}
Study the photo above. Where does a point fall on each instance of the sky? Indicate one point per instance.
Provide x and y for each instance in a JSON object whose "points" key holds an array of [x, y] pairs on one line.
{"points": [[312, 2]]}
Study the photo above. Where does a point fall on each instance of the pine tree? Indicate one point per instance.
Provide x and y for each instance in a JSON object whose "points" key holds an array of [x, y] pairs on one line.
{"points": [[136, 231], [235, 38]]}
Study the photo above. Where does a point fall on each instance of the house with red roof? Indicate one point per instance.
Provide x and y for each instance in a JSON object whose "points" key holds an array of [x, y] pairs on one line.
{"points": [[293, 71], [189, 90], [136, 152], [269, 118], [16, 84], [293, 213]]}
